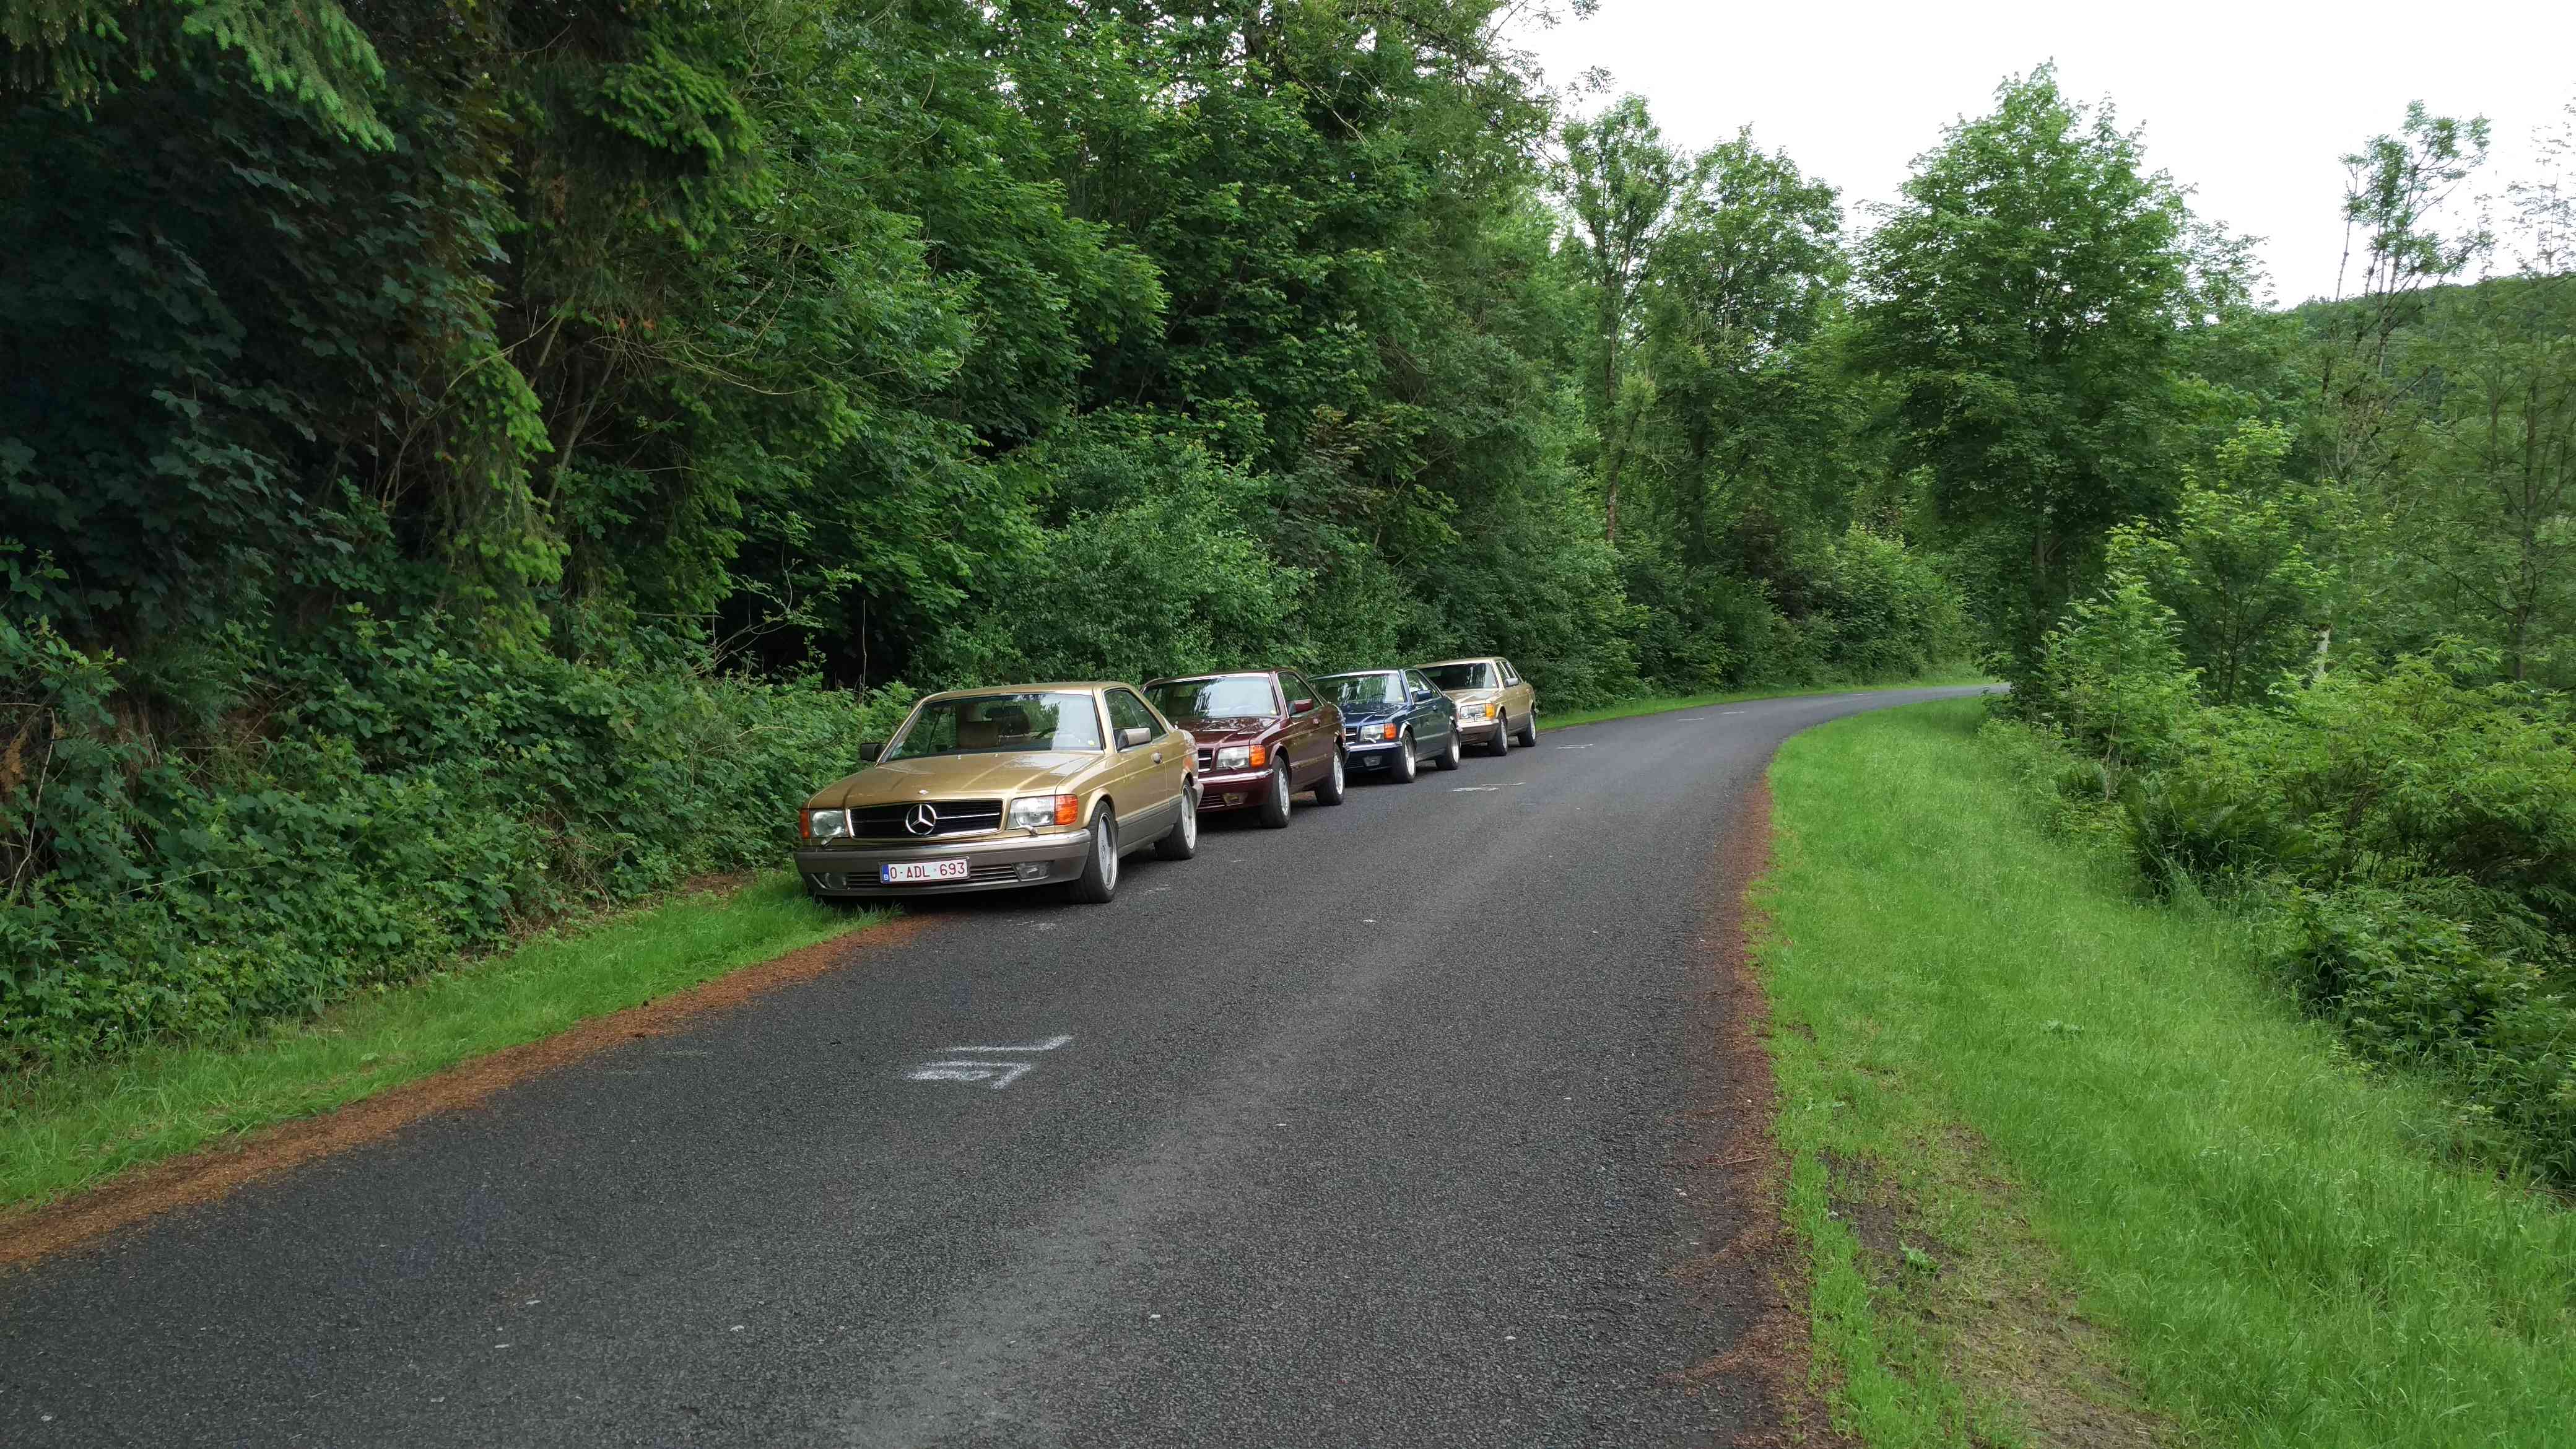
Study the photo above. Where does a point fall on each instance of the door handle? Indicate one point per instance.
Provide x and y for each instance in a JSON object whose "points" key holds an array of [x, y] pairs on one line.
{"points": [[1158, 757]]}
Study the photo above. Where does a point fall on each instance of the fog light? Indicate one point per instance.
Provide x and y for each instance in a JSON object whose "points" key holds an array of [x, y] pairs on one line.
{"points": [[1233, 799], [1032, 870]]}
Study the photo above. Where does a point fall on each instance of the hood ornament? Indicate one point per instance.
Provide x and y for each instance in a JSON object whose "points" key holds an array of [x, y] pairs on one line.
{"points": [[921, 819]]}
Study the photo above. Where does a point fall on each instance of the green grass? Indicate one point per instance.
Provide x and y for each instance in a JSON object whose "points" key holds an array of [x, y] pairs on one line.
{"points": [[1666, 703], [2051, 1084], [65, 1130]]}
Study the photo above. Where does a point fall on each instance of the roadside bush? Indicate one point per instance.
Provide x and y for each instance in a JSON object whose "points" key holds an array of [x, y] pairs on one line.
{"points": [[404, 799], [2416, 832]]}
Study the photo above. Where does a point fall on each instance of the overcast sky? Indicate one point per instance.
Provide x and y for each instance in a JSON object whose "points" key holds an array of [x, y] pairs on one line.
{"points": [[2249, 103]]}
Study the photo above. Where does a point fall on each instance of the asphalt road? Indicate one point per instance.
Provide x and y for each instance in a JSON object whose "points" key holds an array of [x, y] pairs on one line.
{"points": [[1365, 1132]]}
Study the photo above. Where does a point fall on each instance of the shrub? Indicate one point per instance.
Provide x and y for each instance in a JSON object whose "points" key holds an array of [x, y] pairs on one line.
{"points": [[407, 798]]}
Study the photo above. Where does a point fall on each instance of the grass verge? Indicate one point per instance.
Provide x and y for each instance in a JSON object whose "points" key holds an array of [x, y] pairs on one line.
{"points": [[66, 1130], [2069, 1168], [1666, 703]]}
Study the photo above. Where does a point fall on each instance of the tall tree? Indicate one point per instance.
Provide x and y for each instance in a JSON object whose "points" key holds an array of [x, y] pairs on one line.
{"points": [[2025, 298], [1620, 181]]}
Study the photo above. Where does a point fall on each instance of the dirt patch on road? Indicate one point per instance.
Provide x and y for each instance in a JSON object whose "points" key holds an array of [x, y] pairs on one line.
{"points": [[1755, 1273], [210, 1173]]}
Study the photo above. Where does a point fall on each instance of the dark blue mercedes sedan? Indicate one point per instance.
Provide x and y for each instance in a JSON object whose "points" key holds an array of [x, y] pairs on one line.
{"points": [[1393, 720]]}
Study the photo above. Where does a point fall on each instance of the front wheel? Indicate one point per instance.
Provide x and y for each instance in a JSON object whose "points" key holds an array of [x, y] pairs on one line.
{"points": [[1449, 754], [1405, 766], [1335, 785], [1099, 880], [1274, 801], [1502, 734], [1182, 840], [1529, 728]]}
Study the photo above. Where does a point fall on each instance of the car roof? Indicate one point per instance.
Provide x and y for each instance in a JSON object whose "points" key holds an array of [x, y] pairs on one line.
{"points": [[1213, 674], [1470, 659], [1386, 669], [1083, 686]]}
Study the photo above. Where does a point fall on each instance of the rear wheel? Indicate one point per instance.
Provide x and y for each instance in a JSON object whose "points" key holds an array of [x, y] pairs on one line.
{"points": [[1502, 735], [1099, 880], [1274, 800], [1334, 785], [1405, 766], [1529, 728], [1449, 754], [1182, 840]]}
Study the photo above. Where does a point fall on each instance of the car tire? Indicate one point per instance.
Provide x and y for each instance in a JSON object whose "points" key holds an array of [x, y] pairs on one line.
{"points": [[1529, 729], [1182, 840], [1405, 767], [1099, 879], [1275, 806], [1502, 744], [1450, 756], [1334, 786]]}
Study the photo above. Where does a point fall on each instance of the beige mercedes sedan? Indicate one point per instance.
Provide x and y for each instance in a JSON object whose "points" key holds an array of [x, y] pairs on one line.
{"points": [[1023, 785], [1495, 705]]}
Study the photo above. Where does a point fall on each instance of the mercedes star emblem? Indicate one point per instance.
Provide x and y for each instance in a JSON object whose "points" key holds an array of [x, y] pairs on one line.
{"points": [[921, 820]]}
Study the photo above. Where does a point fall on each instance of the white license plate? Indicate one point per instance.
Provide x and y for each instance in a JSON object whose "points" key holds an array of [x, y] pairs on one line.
{"points": [[912, 872]]}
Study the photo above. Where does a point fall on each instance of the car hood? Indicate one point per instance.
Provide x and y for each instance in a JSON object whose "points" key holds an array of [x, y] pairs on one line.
{"points": [[1228, 731], [1474, 696], [950, 777], [1365, 713]]}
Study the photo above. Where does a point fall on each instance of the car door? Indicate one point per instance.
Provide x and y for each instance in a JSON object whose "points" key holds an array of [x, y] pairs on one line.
{"points": [[1308, 738], [1147, 781], [1523, 699], [1436, 712]]}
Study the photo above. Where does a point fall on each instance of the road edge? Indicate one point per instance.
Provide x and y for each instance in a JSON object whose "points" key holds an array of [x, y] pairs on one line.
{"points": [[1740, 1164]]}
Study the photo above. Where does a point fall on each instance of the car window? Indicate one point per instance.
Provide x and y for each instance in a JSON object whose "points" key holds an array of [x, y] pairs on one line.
{"points": [[998, 723], [1360, 691], [1510, 675], [1293, 687], [1127, 712], [1414, 680], [1227, 696], [1474, 674]]}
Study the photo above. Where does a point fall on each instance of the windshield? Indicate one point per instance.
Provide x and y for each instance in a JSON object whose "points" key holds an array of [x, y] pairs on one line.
{"points": [[1475, 675], [1362, 690], [999, 723], [1233, 696]]}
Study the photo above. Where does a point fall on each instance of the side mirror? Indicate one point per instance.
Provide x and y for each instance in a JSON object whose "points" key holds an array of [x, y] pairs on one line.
{"points": [[870, 752], [1301, 706], [1134, 735]]}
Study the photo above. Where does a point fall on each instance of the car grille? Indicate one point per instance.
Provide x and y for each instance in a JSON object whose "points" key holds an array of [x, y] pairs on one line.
{"points": [[1207, 759], [956, 817]]}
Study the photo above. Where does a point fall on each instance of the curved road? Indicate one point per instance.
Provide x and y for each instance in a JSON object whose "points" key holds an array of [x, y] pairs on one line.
{"points": [[1366, 1132]]}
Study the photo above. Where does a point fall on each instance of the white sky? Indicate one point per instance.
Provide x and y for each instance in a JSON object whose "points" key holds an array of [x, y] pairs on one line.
{"points": [[2250, 103]]}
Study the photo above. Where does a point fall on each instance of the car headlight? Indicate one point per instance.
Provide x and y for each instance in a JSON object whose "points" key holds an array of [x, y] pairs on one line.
{"points": [[1369, 732], [1475, 711], [822, 825], [1031, 811], [1242, 757]]}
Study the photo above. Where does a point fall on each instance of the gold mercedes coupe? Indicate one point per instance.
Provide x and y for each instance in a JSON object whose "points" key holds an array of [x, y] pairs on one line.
{"points": [[1023, 785], [1495, 705]]}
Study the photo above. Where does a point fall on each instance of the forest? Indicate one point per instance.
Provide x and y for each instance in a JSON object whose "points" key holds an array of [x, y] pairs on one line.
{"points": [[466, 463]]}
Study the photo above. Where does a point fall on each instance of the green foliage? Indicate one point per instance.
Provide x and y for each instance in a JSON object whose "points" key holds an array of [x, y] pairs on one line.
{"points": [[415, 796]]}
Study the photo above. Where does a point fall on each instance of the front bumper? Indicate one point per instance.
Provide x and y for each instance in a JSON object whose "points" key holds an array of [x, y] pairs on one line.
{"points": [[1377, 755], [1233, 790], [1479, 730], [998, 863]]}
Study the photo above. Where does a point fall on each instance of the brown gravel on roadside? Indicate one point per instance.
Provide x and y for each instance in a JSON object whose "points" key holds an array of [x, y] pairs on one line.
{"points": [[212, 1172], [1754, 1273]]}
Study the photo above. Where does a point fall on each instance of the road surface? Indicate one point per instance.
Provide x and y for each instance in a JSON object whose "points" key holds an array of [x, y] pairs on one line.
{"points": [[1366, 1132]]}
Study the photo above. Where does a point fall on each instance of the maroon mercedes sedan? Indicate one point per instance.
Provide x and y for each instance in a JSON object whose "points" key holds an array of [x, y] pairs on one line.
{"points": [[1263, 734]]}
